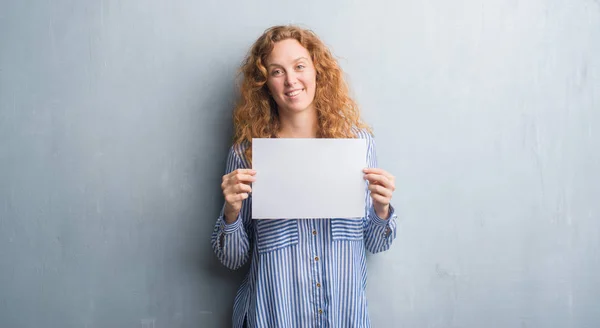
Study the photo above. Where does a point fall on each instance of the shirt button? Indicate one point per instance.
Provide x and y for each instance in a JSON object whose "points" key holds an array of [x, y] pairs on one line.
{"points": [[320, 311], [318, 285], [316, 258], [315, 232]]}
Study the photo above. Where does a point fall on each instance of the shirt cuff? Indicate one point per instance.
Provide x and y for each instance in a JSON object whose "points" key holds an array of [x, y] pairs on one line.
{"points": [[375, 219], [228, 228]]}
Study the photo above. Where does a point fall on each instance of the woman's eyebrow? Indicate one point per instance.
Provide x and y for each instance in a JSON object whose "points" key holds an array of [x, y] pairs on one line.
{"points": [[297, 60]]}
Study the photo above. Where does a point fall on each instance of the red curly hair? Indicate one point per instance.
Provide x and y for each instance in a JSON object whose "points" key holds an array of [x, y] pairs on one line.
{"points": [[256, 115]]}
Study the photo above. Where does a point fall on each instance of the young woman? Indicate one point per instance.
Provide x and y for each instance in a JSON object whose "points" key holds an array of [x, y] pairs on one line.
{"points": [[306, 272]]}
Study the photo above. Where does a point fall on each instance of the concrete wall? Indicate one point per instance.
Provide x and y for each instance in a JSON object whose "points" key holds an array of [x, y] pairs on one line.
{"points": [[115, 119]]}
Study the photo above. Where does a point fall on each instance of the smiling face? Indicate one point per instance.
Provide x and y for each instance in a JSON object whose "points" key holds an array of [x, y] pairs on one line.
{"points": [[291, 76]]}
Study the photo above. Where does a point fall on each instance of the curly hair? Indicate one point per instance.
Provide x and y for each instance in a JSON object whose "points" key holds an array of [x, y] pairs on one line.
{"points": [[256, 115]]}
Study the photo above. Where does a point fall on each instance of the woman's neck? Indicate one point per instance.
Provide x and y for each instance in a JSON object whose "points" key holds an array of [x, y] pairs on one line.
{"points": [[300, 125]]}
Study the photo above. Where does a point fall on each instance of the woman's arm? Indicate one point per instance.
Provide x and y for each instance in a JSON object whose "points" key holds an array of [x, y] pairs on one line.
{"points": [[231, 235], [379, 232]]}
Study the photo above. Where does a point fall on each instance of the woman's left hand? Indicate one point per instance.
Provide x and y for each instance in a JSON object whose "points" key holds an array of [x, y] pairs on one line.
{"points": [[382, 185]]}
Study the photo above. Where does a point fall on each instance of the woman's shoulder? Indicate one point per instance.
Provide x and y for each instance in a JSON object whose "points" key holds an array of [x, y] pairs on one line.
{"points": [[363, 133], [238, 152]]}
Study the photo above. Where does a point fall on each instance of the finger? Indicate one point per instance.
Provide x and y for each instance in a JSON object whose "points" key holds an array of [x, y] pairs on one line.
{"points": [[241, 188], [237, 188], [372, 178], [380, 190], [239, 171], [245, 171], [241, 178], [375, 170], [234, 198], [230, 182], [381, 180], [380, 199]]}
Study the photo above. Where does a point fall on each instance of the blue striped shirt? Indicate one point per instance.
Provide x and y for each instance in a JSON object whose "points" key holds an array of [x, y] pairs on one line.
{"points": [[304, 272]]}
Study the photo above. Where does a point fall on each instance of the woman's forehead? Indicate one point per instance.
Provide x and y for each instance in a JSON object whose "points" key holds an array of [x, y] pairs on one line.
{"points": [[287, 51]]}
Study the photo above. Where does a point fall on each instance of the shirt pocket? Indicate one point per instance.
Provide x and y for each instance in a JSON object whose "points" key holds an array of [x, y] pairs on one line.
{"points": [[275, 234], [347, 229]]}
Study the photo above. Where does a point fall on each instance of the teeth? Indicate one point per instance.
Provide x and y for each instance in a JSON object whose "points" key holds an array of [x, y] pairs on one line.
{"points": [[293, 93]]}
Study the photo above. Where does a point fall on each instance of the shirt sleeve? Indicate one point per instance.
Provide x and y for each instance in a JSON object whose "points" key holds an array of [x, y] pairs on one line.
{"points": [[379, 232], [231, 242]]}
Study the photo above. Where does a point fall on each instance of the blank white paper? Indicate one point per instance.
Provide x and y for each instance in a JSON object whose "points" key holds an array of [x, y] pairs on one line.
{"points": [[308, 178]]}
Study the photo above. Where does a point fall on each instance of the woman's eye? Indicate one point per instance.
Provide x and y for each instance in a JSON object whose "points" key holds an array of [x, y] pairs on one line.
{"points": [[276, 72], [300, 66]]}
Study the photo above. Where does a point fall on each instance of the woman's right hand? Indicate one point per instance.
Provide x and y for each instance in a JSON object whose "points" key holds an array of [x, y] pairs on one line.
{"points": [[236, 188]]}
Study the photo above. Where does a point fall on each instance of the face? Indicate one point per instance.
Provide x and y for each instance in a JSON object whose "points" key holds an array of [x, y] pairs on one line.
{"points": [[292, 76]]}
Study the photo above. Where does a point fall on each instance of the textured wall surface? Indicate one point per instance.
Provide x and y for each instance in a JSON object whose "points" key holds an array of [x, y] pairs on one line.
{"points": [[115, 123]]}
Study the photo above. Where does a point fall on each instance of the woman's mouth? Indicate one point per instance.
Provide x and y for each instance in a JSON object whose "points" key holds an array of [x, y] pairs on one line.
{"points": [[294, 93]]}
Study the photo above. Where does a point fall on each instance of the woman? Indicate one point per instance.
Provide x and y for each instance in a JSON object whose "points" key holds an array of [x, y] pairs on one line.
{"points": [[307, 272]]}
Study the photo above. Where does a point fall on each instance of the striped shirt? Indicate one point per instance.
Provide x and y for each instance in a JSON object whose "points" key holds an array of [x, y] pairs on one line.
{"points": [[304, 272]]}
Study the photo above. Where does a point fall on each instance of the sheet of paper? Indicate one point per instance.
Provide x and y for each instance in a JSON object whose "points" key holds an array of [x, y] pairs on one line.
{"points": [[308, 178]]}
